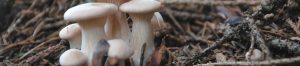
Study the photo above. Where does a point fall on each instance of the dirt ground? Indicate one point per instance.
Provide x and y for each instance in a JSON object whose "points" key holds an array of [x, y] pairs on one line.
{"points": [[195, 33]]}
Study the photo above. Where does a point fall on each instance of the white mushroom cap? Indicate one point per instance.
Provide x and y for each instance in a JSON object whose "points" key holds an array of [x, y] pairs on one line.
{"points": [[70, 31], [72, 57], [255, 55], [119, 49], [89, 11], [140, 6]]}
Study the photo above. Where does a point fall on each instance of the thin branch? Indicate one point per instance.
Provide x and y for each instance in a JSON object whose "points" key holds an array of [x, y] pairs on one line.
{"points": [[258, 36], [174, 20], [213, 2], [30, 51], [195, 37], [293, 26], [271, 62], [45, 53]]}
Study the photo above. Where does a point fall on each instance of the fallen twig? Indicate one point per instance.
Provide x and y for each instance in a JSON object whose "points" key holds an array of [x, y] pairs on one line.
{"points": [[24, 42], [45, 53], [270, 62], [189, 32], [38, 28], [14, 23], [258, 36], [274, 33], [185, 15], [213, 2], [174, 20], [213, 46], [293, 25], [34, 19], [30, 51]]}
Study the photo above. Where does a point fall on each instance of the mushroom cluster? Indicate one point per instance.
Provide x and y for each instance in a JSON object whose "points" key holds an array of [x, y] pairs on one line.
{"points": [[107, 20]]}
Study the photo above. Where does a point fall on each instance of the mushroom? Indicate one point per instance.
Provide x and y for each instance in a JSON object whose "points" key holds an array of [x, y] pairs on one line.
{"points": [[118, 51], [91, 17], [73, 57], [254, 55], [116, 26], [72, 33], [141, 12]]}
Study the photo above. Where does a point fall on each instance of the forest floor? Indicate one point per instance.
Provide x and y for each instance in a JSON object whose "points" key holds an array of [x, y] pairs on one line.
{"points": [[195, 33]]}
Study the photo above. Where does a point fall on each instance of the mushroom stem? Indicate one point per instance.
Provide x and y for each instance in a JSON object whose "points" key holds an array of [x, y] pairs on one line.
{"points": [[141, 12], [125, 31], [112, 28], [92, 32], [117, 26], [142, 34], [75, 43]]}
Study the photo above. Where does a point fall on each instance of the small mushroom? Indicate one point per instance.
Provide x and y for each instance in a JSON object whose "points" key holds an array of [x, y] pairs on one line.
{"points": [[91, 17], [72, 33], [73, 57], [118, 52], [254, 55], [141, 12]]}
